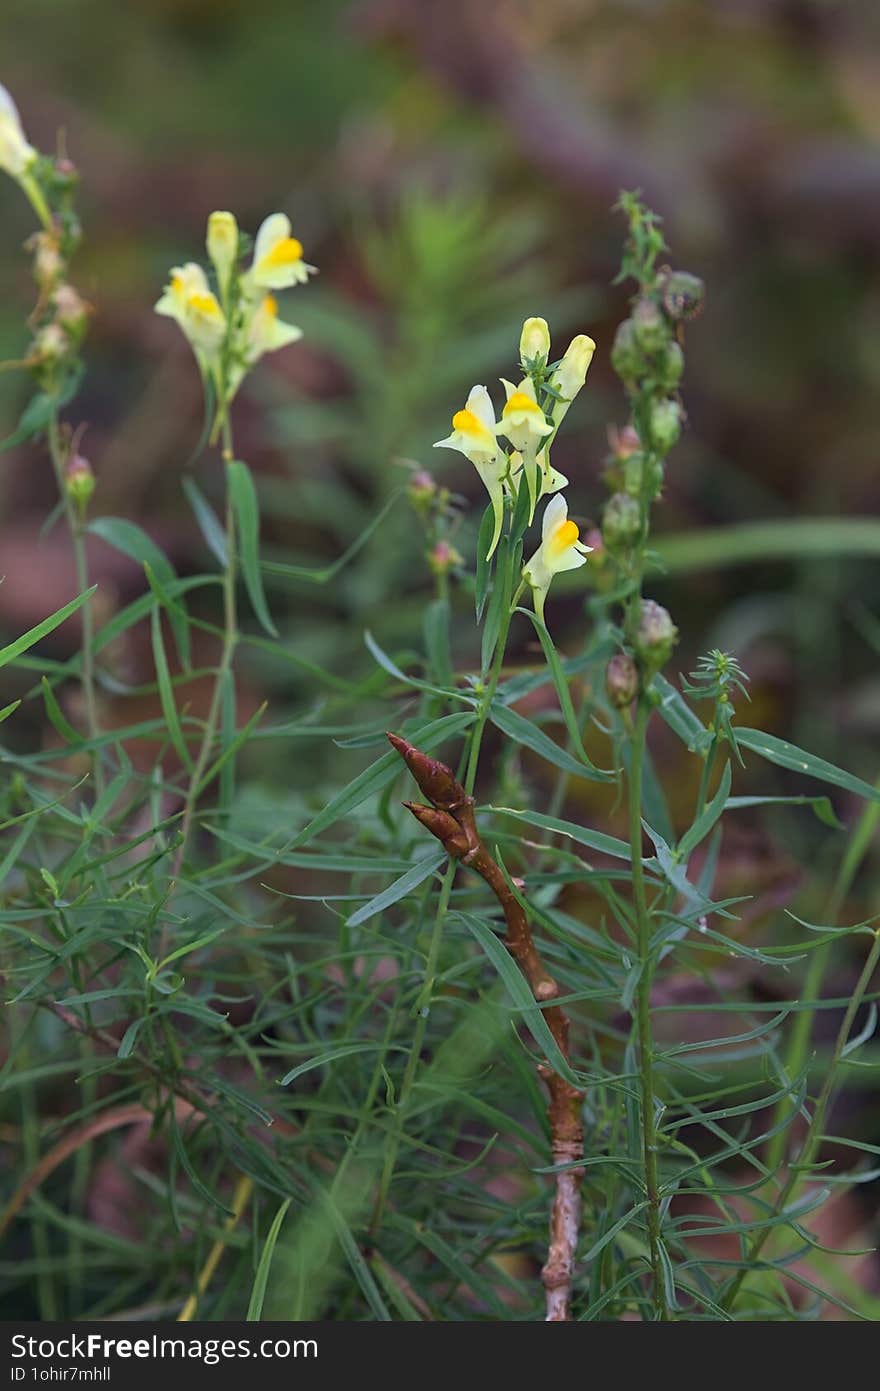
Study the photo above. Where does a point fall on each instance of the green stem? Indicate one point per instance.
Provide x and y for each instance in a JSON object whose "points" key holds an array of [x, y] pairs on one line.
{"points": [[227, 656], [816, 1127], [76, 529], [646, 1042], [705, 778], [423, 1003], [36, 199]]}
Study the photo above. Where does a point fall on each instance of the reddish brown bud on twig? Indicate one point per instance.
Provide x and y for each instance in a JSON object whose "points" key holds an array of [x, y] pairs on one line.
{"points": [[438, 783], [443, 826]]}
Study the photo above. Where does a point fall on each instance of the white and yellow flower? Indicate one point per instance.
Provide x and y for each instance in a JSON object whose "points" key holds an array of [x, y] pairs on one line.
{"points": [[15, 151], [571, 374], [189, 300], [475, 435], [221, 242], [523, 422], [278, 257], [263, 333], [560, 549]]}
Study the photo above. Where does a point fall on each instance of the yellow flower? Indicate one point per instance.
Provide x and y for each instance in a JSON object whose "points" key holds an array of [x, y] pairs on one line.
{"points": [[475, 435], [15, 152], [278, 257], [188, 300], [522, 419], [222, 245], [534, 343], [571, 374], [264, 332], [560, 549]]}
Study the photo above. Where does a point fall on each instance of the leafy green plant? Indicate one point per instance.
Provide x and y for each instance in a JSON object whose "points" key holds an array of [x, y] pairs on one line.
{"points": [[279, 1054]]}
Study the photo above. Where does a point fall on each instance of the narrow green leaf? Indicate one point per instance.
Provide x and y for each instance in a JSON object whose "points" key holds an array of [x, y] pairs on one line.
{"points": [[786, 755], [330, 1055], [521, 996], [674, 709], [560, 683], [129, 1038], [181, 1151], [34, 418], [56, 715], [243, 495], [821, 807], [166, 691], [498, 602], [134, 542], [435, 627], [484, 566], [378, 775], [323, 574], [524, 732], [707, 818], [48, 625], [261, 1278], [399, 889], [595, 840], [208, 522]]}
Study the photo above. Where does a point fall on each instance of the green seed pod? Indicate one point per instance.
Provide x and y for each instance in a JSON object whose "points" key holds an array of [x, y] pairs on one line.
{"points": [[655, 636], [665, 425], [627, 358], [683, 294], [669, 366], [621, 522], [650, 326], [621, 680], [633, 473]]}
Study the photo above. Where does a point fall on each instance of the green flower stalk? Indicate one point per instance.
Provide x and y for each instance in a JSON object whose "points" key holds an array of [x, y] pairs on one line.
{"points": [[649, 360]]}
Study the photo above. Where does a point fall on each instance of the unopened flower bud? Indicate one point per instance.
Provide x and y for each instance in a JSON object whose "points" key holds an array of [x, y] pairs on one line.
{"points": [[66, 172], [571, 374], [443, 558], [649, 326], [665, 424], [683, 294], [438, 783], [621, 680], [443, 826], [627, 357], [633, 474], [222, 244], [534, 343], [621, 522], [655, 636], [79, 480], [422, 490], [623, 442], [669, 366], [51, 345], [48, 262], [71, 310]]}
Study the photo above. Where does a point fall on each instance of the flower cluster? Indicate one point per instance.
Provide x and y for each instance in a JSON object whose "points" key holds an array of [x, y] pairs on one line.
{"points": [[233, 323], [61, 315], [648, 357], [534, 409]]}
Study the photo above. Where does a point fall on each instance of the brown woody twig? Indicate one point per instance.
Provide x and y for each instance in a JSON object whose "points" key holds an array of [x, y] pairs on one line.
{"points": [[450, 818]]}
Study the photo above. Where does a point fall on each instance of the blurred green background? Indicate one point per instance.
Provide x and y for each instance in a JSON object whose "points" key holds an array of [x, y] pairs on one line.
{"points": [[451, 168]]}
